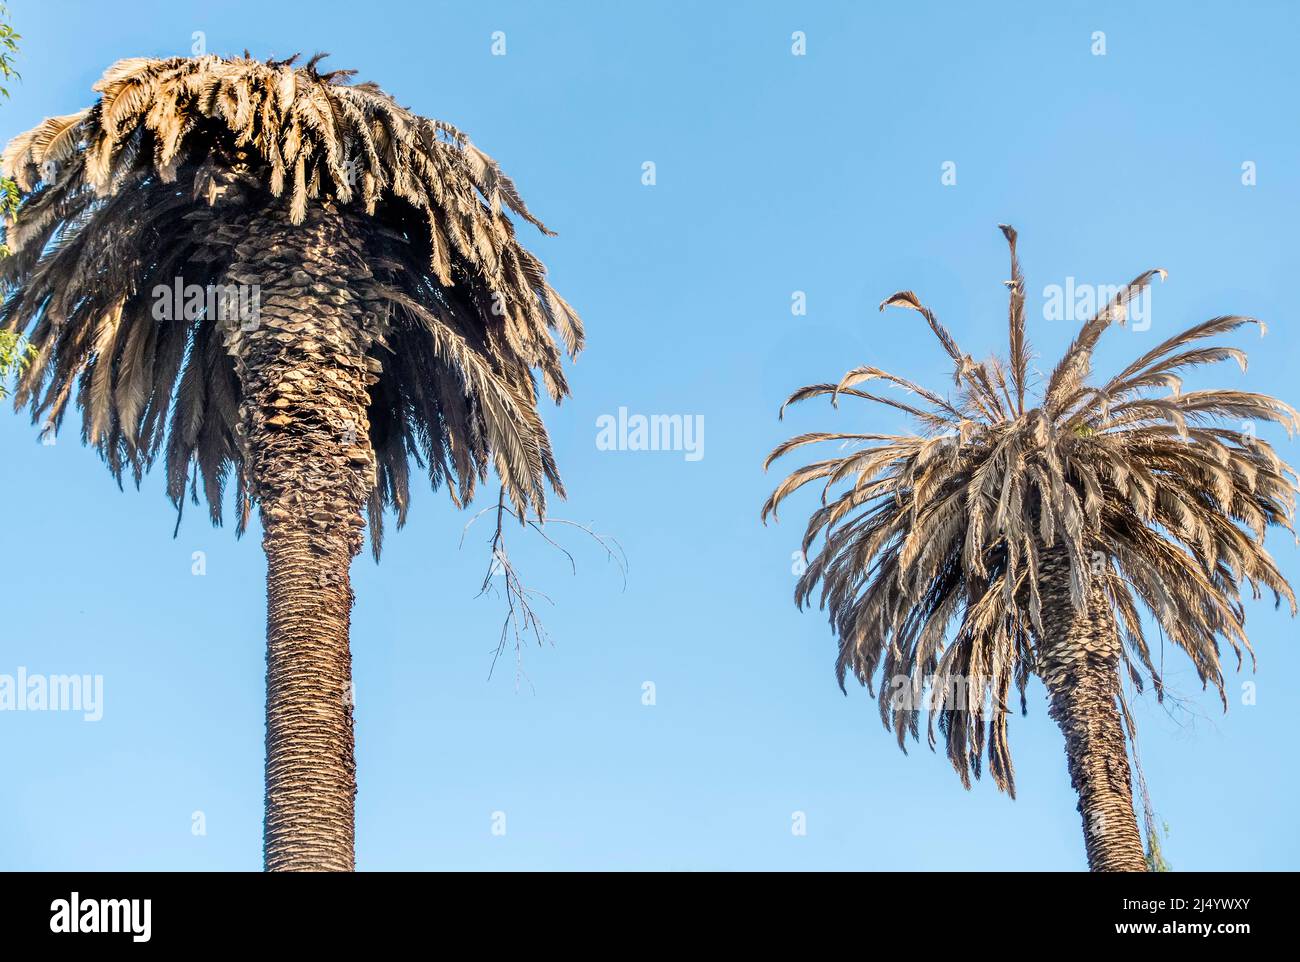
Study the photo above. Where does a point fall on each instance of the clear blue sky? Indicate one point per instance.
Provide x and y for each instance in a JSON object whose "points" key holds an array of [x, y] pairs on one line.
{"points": [[775, 174]]}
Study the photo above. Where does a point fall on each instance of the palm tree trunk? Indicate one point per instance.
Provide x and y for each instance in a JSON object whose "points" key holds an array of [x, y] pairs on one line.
{"points": [[302, 365], [1079, 663]]}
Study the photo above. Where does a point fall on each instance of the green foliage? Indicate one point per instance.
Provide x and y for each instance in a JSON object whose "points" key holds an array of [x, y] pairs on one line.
{"points": [[9, 195], [10, 198], [15, 352], [8, 50], [1155, 857], [15, 356]]}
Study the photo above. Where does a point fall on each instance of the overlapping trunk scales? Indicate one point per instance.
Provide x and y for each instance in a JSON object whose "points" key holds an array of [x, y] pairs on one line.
{"points": [[303, 369], [1079, 663]]}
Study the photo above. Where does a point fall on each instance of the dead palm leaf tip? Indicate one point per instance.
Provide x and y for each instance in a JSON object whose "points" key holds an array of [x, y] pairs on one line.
{"points": [[158, 180], [932, 543]]}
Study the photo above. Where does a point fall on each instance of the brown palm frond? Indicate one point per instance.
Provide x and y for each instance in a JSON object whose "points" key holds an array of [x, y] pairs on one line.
{"points": [[1018, 348]]}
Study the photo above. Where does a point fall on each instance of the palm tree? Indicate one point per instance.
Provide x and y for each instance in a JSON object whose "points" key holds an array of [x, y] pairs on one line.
{"points": [[1041, 531], [386, 312]]}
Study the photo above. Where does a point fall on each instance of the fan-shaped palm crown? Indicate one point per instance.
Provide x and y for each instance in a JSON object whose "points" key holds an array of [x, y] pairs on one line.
{"points": [[1158, 501], [162, 178]]}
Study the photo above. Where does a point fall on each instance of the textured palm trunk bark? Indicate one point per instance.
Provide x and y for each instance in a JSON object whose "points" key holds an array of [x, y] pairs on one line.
{"points": [[302, 364], [1079, 663]]}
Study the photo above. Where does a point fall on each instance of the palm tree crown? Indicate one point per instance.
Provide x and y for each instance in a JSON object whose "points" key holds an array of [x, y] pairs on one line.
{"points": [[158, 180], [1156, 500]]}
